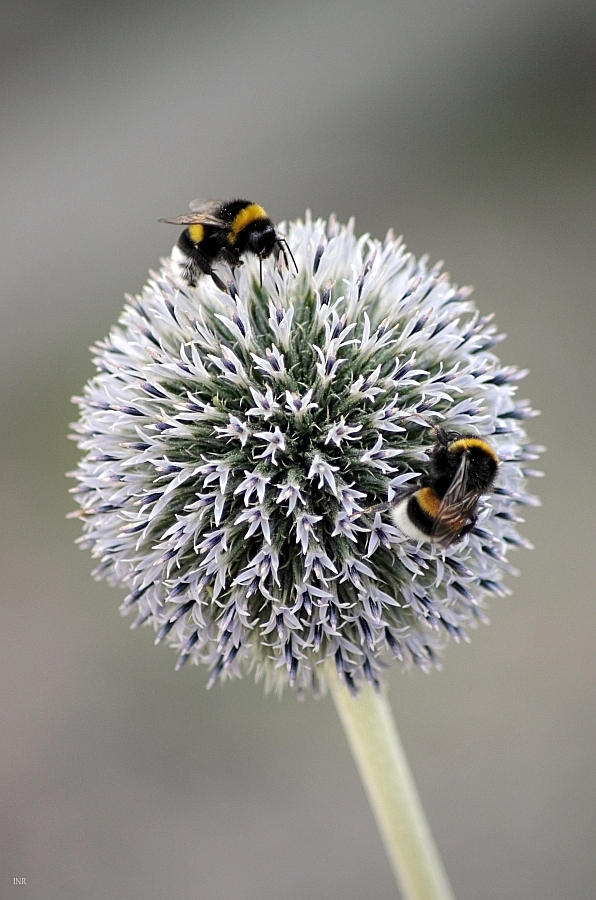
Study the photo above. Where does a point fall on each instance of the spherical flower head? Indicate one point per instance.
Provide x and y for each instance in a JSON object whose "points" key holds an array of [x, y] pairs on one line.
{"points": [[236, 442]]}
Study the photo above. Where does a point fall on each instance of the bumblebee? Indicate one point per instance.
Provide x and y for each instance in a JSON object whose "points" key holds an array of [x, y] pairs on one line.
{"points": [[221, 231], [440, 508]]}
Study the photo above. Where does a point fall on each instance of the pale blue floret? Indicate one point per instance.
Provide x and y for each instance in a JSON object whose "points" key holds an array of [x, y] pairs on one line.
{"points": [[321, 469], [275, 442]]}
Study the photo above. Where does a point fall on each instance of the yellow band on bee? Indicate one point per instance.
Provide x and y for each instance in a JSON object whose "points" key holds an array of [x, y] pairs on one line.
{"points": [[428, 501], [196, 233], [470, 443], [251, 213]]}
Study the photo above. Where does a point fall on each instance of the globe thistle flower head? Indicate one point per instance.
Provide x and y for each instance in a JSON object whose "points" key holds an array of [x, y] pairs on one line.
{"points": [[235, 443]]}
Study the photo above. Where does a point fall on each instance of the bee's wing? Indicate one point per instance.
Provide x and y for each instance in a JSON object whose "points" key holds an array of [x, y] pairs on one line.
{"points": [[203, 212], [456, 507], [209, 210]]}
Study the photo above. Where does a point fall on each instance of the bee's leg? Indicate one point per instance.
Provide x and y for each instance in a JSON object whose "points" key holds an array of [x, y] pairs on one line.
{"points": [[379, 507], [440, 435], [468, 526], [201, 262], [217, 281], [231, 256]]}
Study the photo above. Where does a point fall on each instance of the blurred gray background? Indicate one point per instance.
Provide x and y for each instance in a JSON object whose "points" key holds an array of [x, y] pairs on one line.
{"points": [[468, 126]]}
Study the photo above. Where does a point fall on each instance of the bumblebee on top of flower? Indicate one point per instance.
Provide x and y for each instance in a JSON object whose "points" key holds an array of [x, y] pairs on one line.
{"points": [[221, 231]]}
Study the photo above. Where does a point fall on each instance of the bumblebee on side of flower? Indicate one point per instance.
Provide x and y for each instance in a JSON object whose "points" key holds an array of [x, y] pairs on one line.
{"points": [[441, 507]]}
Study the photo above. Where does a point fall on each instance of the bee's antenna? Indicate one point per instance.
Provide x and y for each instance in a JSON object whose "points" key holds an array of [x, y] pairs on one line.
{"points": [[260, 272], [281, 242]]}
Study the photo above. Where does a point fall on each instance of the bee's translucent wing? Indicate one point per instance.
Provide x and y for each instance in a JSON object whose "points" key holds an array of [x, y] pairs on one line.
{"points": [[208, 210], [182, 220], [203, 212], [456, 507]]}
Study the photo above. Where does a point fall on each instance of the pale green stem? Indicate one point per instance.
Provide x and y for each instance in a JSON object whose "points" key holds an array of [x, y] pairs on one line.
{"points": [[389, 784]]}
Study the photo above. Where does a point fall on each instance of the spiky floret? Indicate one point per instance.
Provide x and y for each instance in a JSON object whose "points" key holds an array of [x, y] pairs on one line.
{"points": [[232, 442]]}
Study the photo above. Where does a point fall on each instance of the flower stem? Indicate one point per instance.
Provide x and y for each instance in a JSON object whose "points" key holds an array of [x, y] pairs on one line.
{"points": [[389, 784]]}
